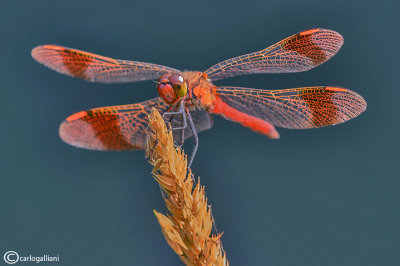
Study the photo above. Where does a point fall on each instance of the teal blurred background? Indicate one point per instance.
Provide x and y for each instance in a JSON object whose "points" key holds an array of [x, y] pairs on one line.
{"points": [[327, 196]]}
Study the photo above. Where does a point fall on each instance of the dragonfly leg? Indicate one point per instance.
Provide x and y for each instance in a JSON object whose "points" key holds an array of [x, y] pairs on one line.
{"points": [[196, 139], [168, 122], [183, 126], [182, 132], [173, 107], [181, 112], [185, 115], [168, 112]]}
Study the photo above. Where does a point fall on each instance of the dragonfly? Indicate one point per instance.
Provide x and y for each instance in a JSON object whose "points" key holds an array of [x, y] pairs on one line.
{"points": [[188, 98]]}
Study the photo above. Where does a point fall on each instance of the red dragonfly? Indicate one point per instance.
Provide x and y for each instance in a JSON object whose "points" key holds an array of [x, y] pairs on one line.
{"points": [[191, 96]]}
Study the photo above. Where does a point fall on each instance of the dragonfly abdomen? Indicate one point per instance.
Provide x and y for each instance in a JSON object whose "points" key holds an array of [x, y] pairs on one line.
{"points": [[256, 124]]}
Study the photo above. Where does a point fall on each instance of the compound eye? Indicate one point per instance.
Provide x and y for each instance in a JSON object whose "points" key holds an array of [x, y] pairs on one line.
{"points": [[176, 79], [164, 78], [179, 85]]}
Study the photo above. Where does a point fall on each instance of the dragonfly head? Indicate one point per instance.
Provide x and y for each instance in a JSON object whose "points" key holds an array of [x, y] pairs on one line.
{"points": [[171, 87]]}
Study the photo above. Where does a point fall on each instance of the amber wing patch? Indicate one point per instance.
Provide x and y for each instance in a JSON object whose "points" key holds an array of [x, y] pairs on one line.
{"points": [[121, 127], [298, 108], [96, 68], [300, 52]]}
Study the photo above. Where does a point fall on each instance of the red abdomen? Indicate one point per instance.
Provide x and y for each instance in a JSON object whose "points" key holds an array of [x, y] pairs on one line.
{"points": [[254, 123]]}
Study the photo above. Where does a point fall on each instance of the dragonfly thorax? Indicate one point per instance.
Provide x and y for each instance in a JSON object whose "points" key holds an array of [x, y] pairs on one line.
{"points": [[172, 87]]}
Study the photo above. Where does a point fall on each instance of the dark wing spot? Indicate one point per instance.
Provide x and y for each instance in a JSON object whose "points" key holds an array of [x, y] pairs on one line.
{"points": [[302, 44], [323, 109], [77, 63]]}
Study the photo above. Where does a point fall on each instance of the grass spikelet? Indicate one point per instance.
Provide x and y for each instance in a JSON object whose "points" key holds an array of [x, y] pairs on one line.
{"points": [[187, 225]]}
